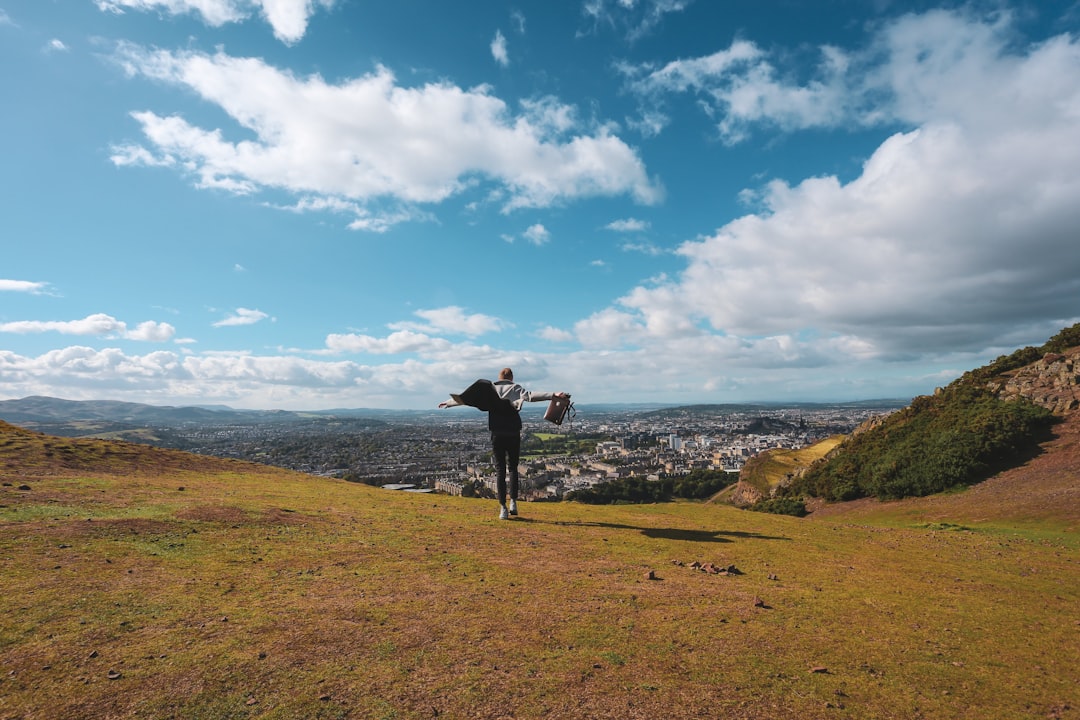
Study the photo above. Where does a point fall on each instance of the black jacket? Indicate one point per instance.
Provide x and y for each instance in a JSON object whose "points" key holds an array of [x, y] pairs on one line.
{"points": [[503, 417]]}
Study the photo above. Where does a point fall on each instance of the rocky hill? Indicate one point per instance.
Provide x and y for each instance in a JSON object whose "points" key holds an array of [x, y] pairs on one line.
{"points": [[990, 420], [1052, 382]]}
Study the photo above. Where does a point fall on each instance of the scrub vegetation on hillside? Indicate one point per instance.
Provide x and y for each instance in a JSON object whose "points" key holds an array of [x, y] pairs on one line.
{"points": [[961, 435], [957, 437]]}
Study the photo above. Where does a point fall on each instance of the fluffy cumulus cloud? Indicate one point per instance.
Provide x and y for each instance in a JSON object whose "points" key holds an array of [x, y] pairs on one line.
{"points": [[742, 87], [920, 68], [370, 140], [452, 320], [537, 234], [402, 341], [972, 210], [96, 325], [288, 18], [80, 372]]}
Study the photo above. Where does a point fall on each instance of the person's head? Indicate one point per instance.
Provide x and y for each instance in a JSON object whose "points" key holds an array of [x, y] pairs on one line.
{"points": [[506, 374]]}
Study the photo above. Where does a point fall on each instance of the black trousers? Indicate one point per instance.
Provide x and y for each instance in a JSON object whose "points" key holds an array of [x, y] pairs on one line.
{"points": [[507, 452]]}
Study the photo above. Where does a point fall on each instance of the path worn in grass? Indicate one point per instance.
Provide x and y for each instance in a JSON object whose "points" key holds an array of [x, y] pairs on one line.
{"points": [[229, 591]]}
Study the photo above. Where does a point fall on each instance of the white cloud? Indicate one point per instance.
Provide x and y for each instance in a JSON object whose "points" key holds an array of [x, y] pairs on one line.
{"points": [[242, 316], [537, 234], [288, 18], [26, 286], [452, 320], [369, 140], [554, 334], [128, 155], [643, 247], [98, 324], [951, 228], [628, 225], [498, 49], [919, 68], [741, 86], [636, 19], [402, 341], [56, 45], [151, 331], [684, 370]]}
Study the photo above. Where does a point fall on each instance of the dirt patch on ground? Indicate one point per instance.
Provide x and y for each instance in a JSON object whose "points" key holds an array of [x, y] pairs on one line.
{"points": [[1045, 487], [215, 513], [232, 515]]}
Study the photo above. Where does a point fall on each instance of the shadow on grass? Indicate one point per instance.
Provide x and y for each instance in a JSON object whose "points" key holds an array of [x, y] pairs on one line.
{"points": [[718, 536]]}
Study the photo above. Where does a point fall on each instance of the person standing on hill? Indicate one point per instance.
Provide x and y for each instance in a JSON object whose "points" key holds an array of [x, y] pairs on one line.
{"points": [[502, 400]]}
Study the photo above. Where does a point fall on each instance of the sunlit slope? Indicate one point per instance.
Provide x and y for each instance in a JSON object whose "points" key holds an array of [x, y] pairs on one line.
{"points": [[161, 587], [766, 470]]}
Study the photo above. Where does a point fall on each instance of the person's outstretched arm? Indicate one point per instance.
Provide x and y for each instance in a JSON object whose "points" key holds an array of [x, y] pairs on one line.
{"points": [[538, 396]]}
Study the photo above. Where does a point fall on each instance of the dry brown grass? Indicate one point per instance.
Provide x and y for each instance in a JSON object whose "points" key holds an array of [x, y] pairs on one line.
{"points": [[765, 471], [220, 590]]}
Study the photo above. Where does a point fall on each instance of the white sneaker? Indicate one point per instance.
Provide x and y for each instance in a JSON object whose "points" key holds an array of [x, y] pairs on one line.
{"points": [[503, 515], [513, 507]]}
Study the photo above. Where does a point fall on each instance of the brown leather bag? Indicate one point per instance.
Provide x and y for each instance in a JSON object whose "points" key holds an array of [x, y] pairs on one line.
{"points": [[557, 409]]}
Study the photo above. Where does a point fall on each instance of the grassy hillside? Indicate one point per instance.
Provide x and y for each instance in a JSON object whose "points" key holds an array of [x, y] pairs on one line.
{"points": [[765, 471], [141, 583], [963, 434]]}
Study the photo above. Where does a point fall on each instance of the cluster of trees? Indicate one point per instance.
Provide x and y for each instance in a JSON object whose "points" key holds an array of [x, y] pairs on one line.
{"points": [[697, 485], [959, 436]]}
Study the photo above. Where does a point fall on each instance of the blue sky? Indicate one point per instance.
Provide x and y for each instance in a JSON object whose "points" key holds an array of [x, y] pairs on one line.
{"points": [[311, 204]]}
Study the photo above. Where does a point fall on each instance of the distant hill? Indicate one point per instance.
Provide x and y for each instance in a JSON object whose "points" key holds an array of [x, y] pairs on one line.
{"points": [[39, 409], [991, 419], [27, 453], [722, 409], [84, 417]]}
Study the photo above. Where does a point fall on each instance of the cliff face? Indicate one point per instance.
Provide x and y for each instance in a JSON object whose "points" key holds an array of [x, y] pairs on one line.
{"points": [[1052, 382]]}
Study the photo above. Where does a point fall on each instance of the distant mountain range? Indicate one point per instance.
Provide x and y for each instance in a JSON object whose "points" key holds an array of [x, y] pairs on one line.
{"points": [[38, 410]]}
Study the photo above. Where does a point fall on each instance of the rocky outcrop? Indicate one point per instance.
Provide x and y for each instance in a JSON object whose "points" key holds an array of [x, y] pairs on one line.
{"points": [[743, 494], [1052, 382]]}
